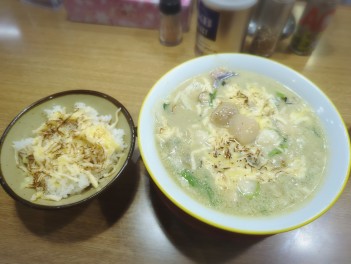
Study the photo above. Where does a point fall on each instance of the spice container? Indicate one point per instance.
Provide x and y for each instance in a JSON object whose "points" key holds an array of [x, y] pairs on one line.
{"points": [[221, 25], [271, 20], [314, 20], [287, 31], [171, 31]]}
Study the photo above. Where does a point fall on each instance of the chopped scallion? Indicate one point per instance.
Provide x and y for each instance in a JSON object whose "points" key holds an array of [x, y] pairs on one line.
{"points": [[201, 186], [189, 177], [282, 96], [274, 152], [284, 144], [212, 97]]}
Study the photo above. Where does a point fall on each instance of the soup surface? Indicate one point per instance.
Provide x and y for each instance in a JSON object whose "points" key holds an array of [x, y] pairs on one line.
{"points": [[242, 144]]}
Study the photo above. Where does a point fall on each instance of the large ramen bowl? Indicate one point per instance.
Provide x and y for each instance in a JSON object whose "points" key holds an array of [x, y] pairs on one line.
{"points": [[33, 116], [338, 144]]}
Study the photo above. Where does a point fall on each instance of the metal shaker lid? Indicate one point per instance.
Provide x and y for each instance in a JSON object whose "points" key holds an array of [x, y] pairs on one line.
{"points": [[170, 7]]}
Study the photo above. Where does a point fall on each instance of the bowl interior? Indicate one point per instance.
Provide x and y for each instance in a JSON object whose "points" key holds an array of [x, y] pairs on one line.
{"points": [[337, 139], [32, 117]]}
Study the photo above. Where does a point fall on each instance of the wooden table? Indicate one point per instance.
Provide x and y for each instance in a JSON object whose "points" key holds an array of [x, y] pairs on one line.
{"points": [[41, 53]]}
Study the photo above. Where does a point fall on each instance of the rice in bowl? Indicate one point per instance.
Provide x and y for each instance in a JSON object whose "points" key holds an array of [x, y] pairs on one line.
{"points": [[106, 137], [69, 152]]}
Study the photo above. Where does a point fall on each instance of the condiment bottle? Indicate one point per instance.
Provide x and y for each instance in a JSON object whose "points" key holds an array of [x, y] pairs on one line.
{"points": [[222, 25], [314, 20], [271, 19], [287, 31], [170, 32]]}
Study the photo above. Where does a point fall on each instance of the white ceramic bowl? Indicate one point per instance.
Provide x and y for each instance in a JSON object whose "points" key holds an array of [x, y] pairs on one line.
{"points": [[338, 168]]}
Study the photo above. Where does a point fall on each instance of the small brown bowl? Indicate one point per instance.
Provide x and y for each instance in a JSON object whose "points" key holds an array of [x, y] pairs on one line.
{"points": [[32, 117]]}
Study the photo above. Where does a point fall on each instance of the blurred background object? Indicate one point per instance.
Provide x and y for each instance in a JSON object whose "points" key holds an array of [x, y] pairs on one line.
{"points": [[271, 21], [314, 20], [170, 32], [45, 3], [288, 29], [222, 25], [128, 13]]}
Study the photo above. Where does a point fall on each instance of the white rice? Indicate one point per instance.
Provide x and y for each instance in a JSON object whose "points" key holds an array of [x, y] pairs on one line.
{"points": [[61, 185]]}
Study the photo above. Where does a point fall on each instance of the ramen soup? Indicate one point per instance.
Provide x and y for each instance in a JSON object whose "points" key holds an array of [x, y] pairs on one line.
{"points": [[244, 144]]}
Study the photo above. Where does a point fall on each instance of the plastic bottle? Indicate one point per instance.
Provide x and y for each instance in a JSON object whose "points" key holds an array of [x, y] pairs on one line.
{"points": [[314, 20]]}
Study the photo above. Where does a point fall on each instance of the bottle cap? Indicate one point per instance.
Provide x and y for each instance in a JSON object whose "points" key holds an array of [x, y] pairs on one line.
{"points": [[170, 7], [229, 5]]}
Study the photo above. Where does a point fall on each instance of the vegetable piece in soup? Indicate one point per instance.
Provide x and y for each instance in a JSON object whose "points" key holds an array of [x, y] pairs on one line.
{"points": [[249, 147]]}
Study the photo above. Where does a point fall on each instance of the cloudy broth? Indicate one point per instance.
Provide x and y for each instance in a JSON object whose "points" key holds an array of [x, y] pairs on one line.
{"points": [[248, 147]]}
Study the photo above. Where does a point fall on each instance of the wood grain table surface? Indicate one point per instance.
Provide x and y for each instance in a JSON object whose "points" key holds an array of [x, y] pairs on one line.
{"points": [[42, 52]]}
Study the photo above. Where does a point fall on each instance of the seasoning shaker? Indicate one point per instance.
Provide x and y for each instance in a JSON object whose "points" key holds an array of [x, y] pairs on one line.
{"points": [[315, 18], [170, 31], [271, 20], [221, 25], [287, 31]]}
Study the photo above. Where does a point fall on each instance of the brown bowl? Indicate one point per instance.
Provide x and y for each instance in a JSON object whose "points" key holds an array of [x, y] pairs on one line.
{"points": [[32, 117]]}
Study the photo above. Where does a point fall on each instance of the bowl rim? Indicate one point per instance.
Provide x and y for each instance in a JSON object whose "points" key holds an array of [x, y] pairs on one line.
{"points": [[143, 151], [109, 98]]}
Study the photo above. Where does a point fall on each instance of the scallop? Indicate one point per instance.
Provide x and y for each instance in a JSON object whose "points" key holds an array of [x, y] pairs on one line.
{"points": [[244, 129], [223, 113]]}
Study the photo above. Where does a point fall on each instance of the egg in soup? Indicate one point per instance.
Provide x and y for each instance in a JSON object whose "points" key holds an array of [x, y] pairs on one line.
{"points": [[243, 145]]}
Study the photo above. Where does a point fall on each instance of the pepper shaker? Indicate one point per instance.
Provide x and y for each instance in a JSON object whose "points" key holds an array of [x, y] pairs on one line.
{"points": [[270, 23], [170, 32]]}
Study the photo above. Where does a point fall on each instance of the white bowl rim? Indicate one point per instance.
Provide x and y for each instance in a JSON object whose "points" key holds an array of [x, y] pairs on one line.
{"points": [[269, 225]]}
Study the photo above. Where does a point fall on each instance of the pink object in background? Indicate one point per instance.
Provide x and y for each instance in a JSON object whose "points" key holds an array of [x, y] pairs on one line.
{"points": [[129, 13]]}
